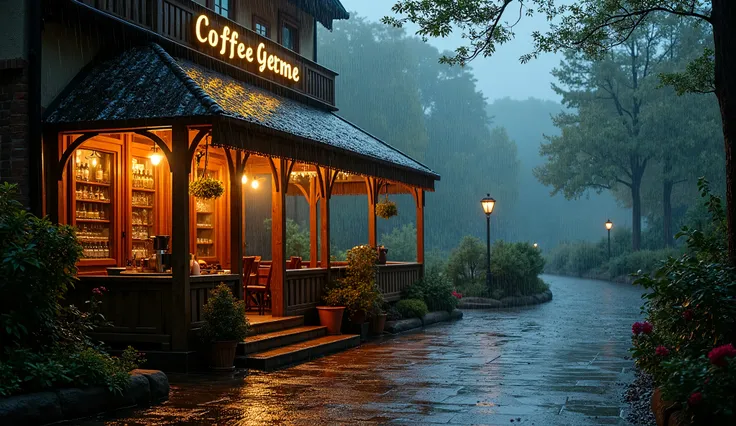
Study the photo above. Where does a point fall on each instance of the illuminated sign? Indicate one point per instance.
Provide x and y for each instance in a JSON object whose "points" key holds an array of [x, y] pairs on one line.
{"points": [[230, 47]]}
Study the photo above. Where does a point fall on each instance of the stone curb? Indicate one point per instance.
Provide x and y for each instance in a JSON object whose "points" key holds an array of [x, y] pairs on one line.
{"points": [[146, 387], [506, 302], [400, 326]]}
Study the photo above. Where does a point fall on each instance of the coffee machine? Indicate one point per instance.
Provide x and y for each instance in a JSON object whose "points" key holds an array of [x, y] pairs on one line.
{"points": [[161, 249]]}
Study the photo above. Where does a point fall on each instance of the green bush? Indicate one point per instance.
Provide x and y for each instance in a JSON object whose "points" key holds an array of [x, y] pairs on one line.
{"points": [[297, 239], [436, 292], [37, 266], [645, 261], [43, 344], [401, 243], [515, 268], [686, 342], [467, 262], [412, 308], [358, 291], [224, 317]]}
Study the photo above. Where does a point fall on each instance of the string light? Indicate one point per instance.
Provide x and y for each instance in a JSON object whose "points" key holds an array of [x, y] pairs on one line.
{"points": [[155, 157], [255, 184], [244, 179]]}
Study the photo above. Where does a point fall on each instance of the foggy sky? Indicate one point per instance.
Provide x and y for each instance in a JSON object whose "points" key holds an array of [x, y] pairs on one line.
{"points": [[499, 76]]}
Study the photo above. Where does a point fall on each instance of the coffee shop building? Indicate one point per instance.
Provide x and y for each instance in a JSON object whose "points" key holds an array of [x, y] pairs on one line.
{"points": [[117, 105]]}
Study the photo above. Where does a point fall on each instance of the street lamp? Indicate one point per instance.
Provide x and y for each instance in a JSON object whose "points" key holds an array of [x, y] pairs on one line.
{"points": [[536, 245], [488, 204], [609, 226]]}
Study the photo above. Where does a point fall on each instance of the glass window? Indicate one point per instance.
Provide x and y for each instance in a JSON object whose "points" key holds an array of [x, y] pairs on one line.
{"points": [[222, 7], [261, 27], [290, 37]]}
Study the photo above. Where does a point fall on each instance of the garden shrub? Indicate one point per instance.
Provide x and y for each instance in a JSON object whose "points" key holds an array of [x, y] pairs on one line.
{"points": [[224, 316], [436, 292], [412, 308], [686, 342], [44, 344], [467, 262], [645, 261], [515, 268], [358, 291]]}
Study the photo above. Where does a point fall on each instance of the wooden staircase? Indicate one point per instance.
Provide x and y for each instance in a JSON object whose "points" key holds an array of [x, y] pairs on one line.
{"points": [[281, 342]]}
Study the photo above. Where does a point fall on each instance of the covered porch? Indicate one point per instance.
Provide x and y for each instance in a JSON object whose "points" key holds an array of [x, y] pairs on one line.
{"points": [[111, 113]]}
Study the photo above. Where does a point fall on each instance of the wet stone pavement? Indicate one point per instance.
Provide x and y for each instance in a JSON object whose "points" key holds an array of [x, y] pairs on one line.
{"points": [[561, 363]]}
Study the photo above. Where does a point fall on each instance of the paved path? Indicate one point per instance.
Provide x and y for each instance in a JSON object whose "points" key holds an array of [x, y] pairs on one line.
{"points": [[561, 363]]}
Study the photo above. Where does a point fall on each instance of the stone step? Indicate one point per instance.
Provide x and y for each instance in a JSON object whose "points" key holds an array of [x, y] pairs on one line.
{"points": [[277, 339], [298, 352], [275, 324]]}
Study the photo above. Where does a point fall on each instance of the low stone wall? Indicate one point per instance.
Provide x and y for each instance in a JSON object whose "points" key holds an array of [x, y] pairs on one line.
{"points": [[400, 326], [506, 302], [146, 387]]}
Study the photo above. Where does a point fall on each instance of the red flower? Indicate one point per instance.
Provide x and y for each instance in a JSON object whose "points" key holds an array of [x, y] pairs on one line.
{"points": [[97, 291], [636, 328], [103, 289], [718, 355], [456, 294], [647, 327], [688, 315], [661, 351], [695, 398]]}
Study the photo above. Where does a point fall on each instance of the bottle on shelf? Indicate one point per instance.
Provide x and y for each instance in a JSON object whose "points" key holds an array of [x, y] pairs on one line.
{"points": [[85, 172], [99, 174]]}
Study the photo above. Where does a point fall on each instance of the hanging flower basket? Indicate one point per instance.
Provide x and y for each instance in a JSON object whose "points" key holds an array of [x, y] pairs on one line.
{"points": [[386, 209], [206, 188]]}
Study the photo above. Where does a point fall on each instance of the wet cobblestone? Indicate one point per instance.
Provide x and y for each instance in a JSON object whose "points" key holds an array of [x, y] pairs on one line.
{"points": [[561, 363]]}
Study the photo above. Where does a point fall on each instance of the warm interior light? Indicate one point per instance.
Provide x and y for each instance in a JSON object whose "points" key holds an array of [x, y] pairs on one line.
{"points": [[255, 184], [488, 204], [94, 161], [244, 179], [155, 156], [609, 224]]}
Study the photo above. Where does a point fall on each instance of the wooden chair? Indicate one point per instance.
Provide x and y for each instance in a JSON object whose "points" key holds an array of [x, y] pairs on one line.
{"points": [[250, 280], [260, 293]]}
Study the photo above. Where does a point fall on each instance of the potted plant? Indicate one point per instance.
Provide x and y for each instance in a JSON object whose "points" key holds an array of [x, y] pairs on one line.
{"points": [[378, 318], [358, 291], [205, 187], [386, 208], [225, 325]]}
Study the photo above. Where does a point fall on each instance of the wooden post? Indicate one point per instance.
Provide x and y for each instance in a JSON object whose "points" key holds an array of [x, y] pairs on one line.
{"points": [[50, 162], [419, 198], [326, 178], [235, 164], [373, 187], [180, 296], [281, 169], [313, 223]]}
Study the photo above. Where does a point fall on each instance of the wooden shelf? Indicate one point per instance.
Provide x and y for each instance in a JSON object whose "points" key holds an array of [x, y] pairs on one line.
{"points": [[205, 244], [142, 207], [142, 224], [205, 227], [93, 183], [84, 200], [205, 212], [144, 190], [92, 220], [93, 240]]}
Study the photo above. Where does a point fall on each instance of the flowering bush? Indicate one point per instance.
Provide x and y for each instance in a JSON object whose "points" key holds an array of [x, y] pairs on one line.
{"points": [[206, 188], [686, 342], [358, 291]]}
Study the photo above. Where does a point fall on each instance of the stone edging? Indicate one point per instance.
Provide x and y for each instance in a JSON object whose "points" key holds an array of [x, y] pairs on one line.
{"points": [[400, 326], [506, 302], [146, 387]]}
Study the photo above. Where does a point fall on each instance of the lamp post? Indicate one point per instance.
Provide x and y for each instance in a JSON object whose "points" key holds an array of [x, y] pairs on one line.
{"points": [[488, 204], [609, 226]]}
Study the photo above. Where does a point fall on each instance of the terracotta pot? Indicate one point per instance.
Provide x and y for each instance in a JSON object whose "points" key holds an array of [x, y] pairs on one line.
{"points": [[222, 356], [378, 323], [358, 317], [331, 317]]}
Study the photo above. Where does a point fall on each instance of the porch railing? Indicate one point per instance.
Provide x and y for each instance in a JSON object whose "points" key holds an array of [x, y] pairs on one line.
{"points": [[174, 20], [303, 289]]}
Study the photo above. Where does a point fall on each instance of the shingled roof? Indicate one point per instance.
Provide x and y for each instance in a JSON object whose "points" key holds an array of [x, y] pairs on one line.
{"points": [[325, 11], [146, 82]]}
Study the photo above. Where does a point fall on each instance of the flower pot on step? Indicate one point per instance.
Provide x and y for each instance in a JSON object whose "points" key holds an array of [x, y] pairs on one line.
{"points": [[378, 323], [331, 317], [222, 356]]}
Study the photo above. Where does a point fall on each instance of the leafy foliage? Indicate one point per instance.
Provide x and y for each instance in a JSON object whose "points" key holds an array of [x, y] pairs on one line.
{"points": [[386, 209], [401, 243], [358, 291], [297, 239], [206, 188], [515, 269], [435, 290], [466, 262], [37, 263], [412, 308], [224, 316], [690, 324]]}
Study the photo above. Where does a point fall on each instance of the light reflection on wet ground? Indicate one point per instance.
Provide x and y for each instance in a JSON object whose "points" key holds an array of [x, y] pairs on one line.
{"points": [[561, 363]]}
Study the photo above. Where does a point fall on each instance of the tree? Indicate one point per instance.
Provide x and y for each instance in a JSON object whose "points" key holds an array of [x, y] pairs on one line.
{"points": [[595, 26], [401, 243], [467, 261]]}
